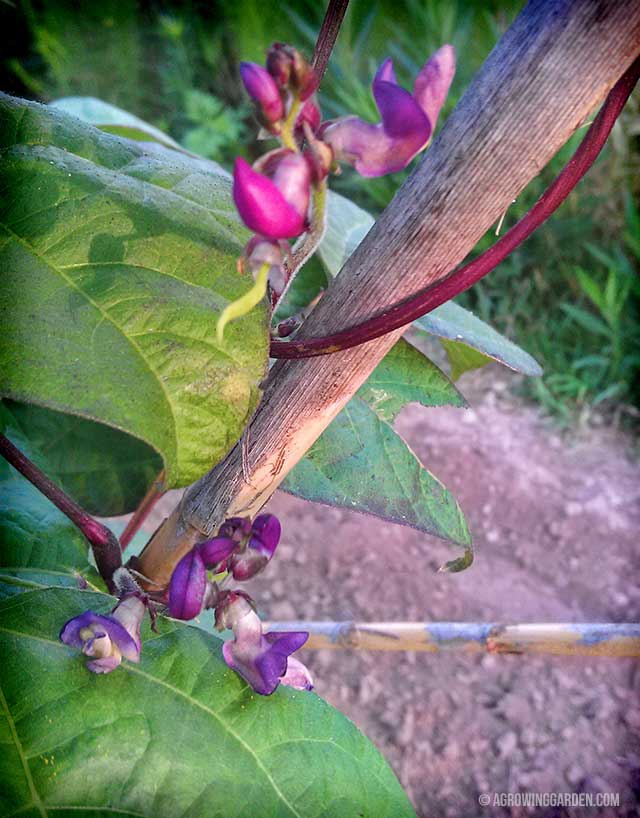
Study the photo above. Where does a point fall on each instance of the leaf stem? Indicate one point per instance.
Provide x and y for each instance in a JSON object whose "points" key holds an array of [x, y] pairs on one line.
{"points": [[156, 491], [408, 310], [328, 34], [103, 541]]}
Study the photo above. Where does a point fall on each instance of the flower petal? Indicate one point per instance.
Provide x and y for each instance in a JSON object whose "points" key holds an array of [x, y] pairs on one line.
{"points": [[297, 675], [263, 663], [98, 623], [262, 88], [267, 528], [402, 116], [216, 550], [262, 207], [188, 586], [105, 665], [432, 83]]}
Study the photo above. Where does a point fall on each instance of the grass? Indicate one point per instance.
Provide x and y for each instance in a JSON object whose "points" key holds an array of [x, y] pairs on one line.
{"points": [[569, 295]]}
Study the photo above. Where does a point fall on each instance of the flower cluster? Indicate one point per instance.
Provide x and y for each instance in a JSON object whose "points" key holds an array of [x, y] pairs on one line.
{"points": [[282, 195], [240, 550]]}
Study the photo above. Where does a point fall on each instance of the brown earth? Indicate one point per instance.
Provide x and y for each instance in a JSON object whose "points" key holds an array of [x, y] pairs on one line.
{"points": [[555, 522]]}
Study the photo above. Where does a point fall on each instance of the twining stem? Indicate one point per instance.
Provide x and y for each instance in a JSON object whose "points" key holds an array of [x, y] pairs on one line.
{"points": [[328, 34], [156, 491], [408, 310], [564, 639], [104, 543]]}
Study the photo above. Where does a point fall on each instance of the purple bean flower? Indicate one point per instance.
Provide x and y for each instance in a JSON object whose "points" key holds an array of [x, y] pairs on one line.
{"points": [[260, 659], [297, 675], [214, 552], [262, 88], [264, 538], [107, 638], [188, 586], [407, 120], [273, 204]]}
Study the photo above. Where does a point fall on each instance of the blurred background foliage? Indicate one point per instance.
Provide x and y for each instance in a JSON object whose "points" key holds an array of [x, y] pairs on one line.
{"points": [[570, 295]]}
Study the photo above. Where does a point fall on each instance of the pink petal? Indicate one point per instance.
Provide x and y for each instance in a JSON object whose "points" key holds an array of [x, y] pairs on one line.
{"points": [[402, 117], [262, 87], [432, 83], [385, 73], [262, 207]]}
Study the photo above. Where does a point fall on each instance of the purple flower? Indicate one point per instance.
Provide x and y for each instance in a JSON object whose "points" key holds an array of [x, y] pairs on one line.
{"points": [[273, 204], [261, 251], [107, 638], [262, 88], [215, 551], [265, 536], [407, 120], [297, 675], [188, 586], [260, 659]]}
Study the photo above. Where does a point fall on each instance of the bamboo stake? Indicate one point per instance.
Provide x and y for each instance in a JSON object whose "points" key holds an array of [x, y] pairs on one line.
{"points": [[560, 639]]}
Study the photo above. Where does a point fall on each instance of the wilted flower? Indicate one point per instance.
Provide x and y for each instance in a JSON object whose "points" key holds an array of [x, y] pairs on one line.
{"points": [[407, 120], [273, 203], [260, 659], [297, 675], [260, 251], [107, 638], [188, 586], [262, 88]]}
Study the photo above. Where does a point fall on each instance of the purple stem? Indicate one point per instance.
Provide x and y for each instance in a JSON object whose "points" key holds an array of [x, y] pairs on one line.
{"points": [[415, 306], [328, 35], [104, 543]]}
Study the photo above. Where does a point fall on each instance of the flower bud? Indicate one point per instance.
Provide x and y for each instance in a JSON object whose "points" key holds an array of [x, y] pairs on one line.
{"points": [[310, 114], [261, 546], [262, 88], [187, 587], [290, 70]]}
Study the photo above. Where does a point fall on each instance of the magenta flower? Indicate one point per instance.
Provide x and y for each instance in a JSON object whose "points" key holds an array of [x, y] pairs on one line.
{"points": [[262, 88], [260, 659], [265, 536], [188, 586], [273, 204], [107, 638], [407, 120]]}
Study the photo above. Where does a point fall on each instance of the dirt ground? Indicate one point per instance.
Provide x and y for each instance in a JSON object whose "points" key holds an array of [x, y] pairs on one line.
{"points": [[555, 520]]}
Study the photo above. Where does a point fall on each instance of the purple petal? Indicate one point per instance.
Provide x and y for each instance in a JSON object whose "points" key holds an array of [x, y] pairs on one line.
{"points": [[385, 73], [262, 87], [70, 633], [369, 148], [297, 675], [433, 82], [236, 528], [402, 116], [266, 527], [262, 207], [188, 586], [263, 663], [216, 550]]}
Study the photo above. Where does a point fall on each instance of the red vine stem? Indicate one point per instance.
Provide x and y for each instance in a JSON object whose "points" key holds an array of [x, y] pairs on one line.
{"points": [[140, 514], [415, 306], [104, 543]]}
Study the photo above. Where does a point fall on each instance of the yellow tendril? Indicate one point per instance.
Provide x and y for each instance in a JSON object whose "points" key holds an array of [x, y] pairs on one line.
{"points": [[241, 306]]}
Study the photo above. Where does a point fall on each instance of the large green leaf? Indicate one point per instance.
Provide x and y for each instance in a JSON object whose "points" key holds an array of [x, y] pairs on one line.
{"points": [[111, 119], [178, 734], [348, 224], [116, 263], [105, 470], [360, 462]]}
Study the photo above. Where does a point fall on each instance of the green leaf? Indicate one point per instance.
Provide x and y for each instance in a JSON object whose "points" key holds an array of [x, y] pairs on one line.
{"points": [[463, 358], [33, 533], [117, 261], [404, 376], [348, 224], [178, 734], [106, 471], [114, 120], [454, 323], [360, 462]]}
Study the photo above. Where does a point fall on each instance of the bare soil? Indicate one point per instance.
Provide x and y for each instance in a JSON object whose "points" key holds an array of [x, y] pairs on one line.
{"points": [[555, 521]]}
